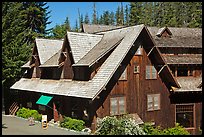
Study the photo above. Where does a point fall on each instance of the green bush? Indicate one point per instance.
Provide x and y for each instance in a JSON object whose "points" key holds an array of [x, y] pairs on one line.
{"points": [[177, 130], [110, 125], [26, 113], [73, 124]]}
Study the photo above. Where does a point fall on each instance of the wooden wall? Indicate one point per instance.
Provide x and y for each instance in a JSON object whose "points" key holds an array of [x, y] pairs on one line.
{"points": [[135, 89]]}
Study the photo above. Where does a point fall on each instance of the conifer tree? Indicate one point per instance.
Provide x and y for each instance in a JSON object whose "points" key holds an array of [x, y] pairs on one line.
{"points": [[86, 19], [94, 21], [22, 22], [126, 15]]}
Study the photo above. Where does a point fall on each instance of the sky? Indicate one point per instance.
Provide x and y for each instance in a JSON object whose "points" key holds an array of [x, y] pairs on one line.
{"points": [[61, 10]]}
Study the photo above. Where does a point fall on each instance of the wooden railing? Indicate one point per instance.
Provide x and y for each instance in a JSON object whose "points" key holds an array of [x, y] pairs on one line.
{"points": [[13, 108]]}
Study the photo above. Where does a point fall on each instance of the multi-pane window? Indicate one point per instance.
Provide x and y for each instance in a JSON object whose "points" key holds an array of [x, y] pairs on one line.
{"points": [[184, 115], [117, 105], [153, 102], [151, 72], [124, 75], [136, 69]]}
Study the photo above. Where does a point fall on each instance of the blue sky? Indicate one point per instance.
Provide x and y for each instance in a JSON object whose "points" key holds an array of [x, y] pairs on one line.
{"points": [[60, 10]]}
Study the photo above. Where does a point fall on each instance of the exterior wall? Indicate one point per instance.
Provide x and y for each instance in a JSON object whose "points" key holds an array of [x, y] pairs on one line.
{"points": [[67, 72], [135, 89]]}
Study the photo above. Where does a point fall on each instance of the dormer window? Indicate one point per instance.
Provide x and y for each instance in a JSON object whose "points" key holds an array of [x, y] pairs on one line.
{"points": [[164, 32]]}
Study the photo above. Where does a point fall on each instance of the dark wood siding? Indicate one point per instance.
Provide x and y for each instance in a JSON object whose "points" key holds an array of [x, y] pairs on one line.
{"points": [[135, 89]]}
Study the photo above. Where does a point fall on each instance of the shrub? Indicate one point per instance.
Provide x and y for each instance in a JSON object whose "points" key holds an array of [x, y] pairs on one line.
{"points": [[26, 113], [73, 124], [110, 125], [177, 130]]}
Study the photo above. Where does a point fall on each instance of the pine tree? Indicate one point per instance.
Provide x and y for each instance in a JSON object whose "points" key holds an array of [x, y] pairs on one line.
{"points": [[135, 13], [22, 22], [94, 21], [122, 14], [86, 18], [67, 24], [126, 15], [76, 29], [112, 18], [101, 20], [195, 14], [106, 18], [118, 17], [35, 17]]}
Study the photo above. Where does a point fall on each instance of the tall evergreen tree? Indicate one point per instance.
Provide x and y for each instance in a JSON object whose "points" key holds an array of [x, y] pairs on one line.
{"points": [[106, 18], [122, 14], [35, 16], [21, 23], [112, 18], [76, 28], [118, 16], [67, 24], [86, 18], [94, 21], [127, 16]]}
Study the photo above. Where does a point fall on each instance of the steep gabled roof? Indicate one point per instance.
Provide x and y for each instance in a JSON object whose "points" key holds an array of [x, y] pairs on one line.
{"points": [[81, 43], [52, 61], [162, 30], [132, 37], [47, 48]]}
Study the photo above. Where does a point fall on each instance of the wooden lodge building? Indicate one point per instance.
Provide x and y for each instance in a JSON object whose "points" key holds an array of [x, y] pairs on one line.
{"points": [[115, 71]]}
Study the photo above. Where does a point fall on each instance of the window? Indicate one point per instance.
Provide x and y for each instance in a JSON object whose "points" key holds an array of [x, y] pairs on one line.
{"points": [[139, 51], [184, 115], [182, 71], [153, 102], [124, 75], [117, 105], [136, 69], [40, 107], [29, 104], [151, 72]]}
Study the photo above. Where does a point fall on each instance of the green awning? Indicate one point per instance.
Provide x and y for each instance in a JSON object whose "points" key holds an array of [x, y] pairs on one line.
{"points": [[44, 100]]}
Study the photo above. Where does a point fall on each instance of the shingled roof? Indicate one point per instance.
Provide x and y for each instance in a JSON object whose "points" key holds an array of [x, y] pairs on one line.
{"points": [[94, 28], [129, 38], [181, 37], [183, 59], [81, 43], [189, 84], [47, 48]]}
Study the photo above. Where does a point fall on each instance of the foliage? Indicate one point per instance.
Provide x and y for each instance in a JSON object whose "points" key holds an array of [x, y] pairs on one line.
{"points": [[110, 125], [172, 14], [22, 22], [177, 130], [73, 124], [26, 113]]}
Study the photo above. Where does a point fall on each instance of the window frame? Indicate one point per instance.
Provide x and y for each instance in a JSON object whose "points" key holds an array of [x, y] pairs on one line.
{"points": [[138, 69], [118, 106], [151, 68], [193, 114], [153, 107]]}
